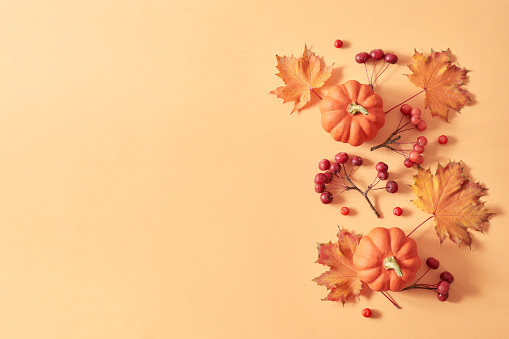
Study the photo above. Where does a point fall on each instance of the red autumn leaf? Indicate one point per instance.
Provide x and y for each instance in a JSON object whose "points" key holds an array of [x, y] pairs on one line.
{"points": [[452, 200], [441, 81], [341, 279], [300, 76]]}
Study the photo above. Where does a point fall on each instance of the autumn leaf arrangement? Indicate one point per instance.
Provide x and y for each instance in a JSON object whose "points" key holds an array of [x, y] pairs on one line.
{"points": [[386, 259]]}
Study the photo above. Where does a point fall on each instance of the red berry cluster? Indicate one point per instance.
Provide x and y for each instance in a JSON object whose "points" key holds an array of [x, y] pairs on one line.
{"points": [[442, 287], [376, 55], [334, 177], [415, 116]]}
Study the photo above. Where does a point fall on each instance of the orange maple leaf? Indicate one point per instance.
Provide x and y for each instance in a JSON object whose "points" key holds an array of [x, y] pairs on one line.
{"points": [[452, 200], [300, 76], [341, 279], [441, 81]]}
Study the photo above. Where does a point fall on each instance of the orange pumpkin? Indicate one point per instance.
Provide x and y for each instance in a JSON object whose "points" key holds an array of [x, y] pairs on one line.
{"points": [[352, 113], [386, 259]]}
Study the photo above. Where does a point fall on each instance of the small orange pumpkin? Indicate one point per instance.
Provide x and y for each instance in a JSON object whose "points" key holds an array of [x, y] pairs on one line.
{"points": [[386, 259], [352, 113]]}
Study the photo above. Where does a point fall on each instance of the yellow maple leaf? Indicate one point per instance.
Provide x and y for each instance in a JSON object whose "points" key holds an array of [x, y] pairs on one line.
{"points": [[441, 81], [301, 76], [341, 279], [452, 200]]}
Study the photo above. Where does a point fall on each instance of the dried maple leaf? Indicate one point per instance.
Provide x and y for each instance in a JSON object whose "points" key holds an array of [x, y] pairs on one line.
{"points": [[341, 279], [452, 200], [300, 76], [441, 81]]}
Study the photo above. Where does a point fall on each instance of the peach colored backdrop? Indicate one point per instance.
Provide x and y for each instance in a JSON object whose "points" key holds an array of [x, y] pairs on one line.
{"points": [[150, 187]]}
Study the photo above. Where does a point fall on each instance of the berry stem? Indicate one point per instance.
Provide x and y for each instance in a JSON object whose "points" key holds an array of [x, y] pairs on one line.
{"points": [[381, 72], [413, 96], [421, 276], [391, 300], [409, 234], [364, 194]]}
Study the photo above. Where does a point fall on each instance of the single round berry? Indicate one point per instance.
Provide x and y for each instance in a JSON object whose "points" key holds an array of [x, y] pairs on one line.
{"points": [[356, 160], [320, 179], [341, 157], [419, 160], [408, 163], [324, 164], [335, 168], [377, 54], [326, 197], [381, 167], [405, 109], [432, 263], [397, 211], [414, 156], [447, 276], [443, 287], [418, 148], [329, 177], [422, 126], [366, 313], [443, 139], [422, 140], [345, 210], [338, 43], [362, 57], [415, 120], [391, 186], [391, 58], [442, 296], [319, 188], [416, 111], [383, 175]]}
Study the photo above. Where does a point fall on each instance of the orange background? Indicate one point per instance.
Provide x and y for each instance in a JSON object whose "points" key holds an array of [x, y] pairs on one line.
{"points": [[152, 188]]}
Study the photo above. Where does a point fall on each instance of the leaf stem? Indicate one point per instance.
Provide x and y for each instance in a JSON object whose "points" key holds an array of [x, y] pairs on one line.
{"points": [[409, 234], [413, 96], [318, 95], [391, 300]]}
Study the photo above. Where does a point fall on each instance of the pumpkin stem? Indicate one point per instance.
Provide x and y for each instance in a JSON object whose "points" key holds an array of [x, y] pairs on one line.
{"points": [[390, 263], [356, 108]]}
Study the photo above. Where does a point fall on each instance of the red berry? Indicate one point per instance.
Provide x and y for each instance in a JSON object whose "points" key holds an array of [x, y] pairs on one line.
{"points": [[362, 57], [422, 140], [381, 167], [391, 58], [397, 211], [405, 109], [421, 126], [443, 139], [338, 43], [341, 157], [442, 296], [419, 160], [319, 188], [391, 186], [356, 160], [432, 263], [345, 210], [326, 197], [415, 119], [414, 156], [324, 164], [334, 168], [408, 163], [383, 175], [416, 111], [320, 179], [447, 276], [366, 312], [443, 287], [418, 148], [329, 177], [377, 54]]}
